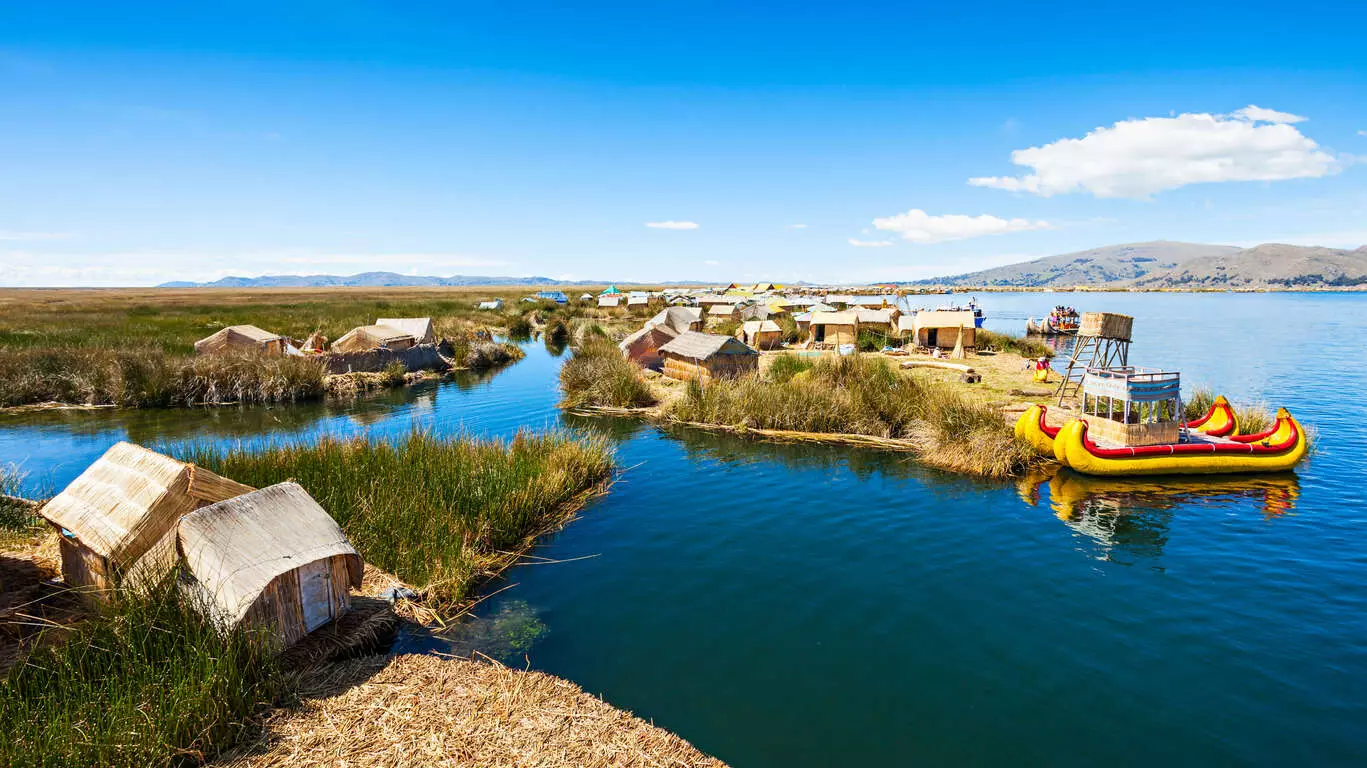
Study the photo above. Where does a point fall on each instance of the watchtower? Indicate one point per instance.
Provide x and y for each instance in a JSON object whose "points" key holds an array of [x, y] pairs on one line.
{"points": [[1103, 341], [1132, 406]]}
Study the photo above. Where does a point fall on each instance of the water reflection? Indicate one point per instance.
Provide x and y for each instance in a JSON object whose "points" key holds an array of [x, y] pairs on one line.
{"points": [[505, 635], [1130, 516]]}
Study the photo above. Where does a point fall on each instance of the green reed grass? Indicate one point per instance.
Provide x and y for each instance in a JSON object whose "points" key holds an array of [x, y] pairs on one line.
{"points": [[864, 395], [1252, 417], [785, 366], [598, 375], [436, 512], [147, 682], [1005, 342]]}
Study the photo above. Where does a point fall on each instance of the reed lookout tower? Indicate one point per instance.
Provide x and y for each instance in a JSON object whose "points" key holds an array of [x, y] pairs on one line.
{"points": [[1102, 341]]}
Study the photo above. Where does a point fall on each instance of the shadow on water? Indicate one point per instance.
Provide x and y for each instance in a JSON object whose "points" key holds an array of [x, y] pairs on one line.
{"points": [[1130, 517]]}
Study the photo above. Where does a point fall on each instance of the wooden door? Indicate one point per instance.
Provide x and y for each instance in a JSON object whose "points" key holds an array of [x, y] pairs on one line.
{"points": [[315, 592]]}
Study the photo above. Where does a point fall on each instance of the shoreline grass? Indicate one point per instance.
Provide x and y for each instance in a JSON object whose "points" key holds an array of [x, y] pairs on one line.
{"points": [[1005, 342], [598, 375], [146, 682], [439, 513]]}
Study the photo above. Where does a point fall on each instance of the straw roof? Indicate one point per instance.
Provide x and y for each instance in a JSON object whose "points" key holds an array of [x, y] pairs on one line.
{"points": [[835, 318], [874, 316], [374, 335], [235, 548], [692, 345], [613, 300], [944, 318], [637, 301], [419, 328], [424, 710], [722, 309], [127, 499], [906, 323], [761, 326], [653, 335], [245, 335], [677, 319]]}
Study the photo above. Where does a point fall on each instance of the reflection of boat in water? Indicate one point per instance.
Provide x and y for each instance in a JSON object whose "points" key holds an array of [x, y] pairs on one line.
{"points": [[1133, 514], [1062, 321]]}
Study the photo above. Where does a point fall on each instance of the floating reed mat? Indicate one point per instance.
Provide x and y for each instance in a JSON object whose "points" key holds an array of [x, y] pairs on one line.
{"points": [[424, 710]]}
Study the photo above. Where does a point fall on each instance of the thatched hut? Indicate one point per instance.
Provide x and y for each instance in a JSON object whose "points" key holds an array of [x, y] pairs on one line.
{"points": [[722, 312], [117, 509], [420, 328], [761, 334], [679, 319], [368, 337], [272, 559], [706, 356], [643, 346], [638, 301], [944, 328], [832, 329], [610, 301], [880, 320], [241, 338]]}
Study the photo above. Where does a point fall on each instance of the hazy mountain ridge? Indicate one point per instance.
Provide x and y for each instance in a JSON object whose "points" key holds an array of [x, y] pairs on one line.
{"points": [[1165, 264], [372, 280]]}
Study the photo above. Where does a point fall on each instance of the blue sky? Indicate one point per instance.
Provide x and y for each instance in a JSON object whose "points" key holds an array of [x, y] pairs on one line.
{"points": [[765, 141]]}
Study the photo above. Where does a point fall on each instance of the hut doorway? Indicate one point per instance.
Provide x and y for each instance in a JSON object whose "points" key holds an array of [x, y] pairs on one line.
{"points": [[932, 337], [315, 587], [819, 333]]}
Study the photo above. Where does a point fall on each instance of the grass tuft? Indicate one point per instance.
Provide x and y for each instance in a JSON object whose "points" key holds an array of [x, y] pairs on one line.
{"points": [[1005, 342], [599, 375]]}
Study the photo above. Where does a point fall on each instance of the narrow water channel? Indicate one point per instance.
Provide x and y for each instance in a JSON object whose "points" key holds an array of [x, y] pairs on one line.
{"points": [[816, 606]]}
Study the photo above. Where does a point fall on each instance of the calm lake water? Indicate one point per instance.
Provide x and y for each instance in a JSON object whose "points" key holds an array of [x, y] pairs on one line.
{"points": [[786, 606]]}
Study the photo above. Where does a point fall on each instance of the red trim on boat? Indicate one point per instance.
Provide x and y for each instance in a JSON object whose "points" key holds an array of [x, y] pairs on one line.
{"points": [[1190, 448], [1224, 432], [1260, 436], [1052, 432]]}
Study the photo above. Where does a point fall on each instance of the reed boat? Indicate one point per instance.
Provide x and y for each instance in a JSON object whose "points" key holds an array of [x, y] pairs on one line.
{"points": [[1034, 431], [1279, 449], [1219, 421]]}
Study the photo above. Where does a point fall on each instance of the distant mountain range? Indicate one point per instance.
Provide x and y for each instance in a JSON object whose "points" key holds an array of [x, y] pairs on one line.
{"points": [[1165, 264], [370, 280]]}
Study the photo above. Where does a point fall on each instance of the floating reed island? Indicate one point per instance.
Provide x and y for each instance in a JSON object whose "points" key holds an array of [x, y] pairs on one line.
{"points": [[170, 651]]}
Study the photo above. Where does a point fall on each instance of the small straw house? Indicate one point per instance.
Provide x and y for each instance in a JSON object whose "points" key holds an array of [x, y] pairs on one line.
{"points": [[368, 337], [943, 328], [761, 334], [493, 306], [706, 356], [720, 312], [272, 559], [643, 346], [586, 297], [420, 328], [833, 329], [679, 319], [638, 301], [117, 509], [880, 320], [611, 301], [237, 338]]}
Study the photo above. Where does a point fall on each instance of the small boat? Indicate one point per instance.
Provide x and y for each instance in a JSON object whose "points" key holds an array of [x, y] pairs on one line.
{"points": [[1062, 321], [1034, 431], [1219, 421], [1278, 449]]}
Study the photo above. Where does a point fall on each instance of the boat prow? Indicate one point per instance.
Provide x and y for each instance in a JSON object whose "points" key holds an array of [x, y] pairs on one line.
{"points": [[1277, 450], [1219, 421], [1033, 430]]}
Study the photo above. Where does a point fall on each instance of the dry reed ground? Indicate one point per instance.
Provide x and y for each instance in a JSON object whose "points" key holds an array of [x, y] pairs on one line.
{"points": [[423, 710]]}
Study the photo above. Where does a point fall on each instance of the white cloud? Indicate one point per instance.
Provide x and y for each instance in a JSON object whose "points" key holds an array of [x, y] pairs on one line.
{"points": [[712, 263], [797, 226], [870, 243], [1137, 158], [672, 224], [1257, 114], [920, 227], [9, 234], [1362, 133]]}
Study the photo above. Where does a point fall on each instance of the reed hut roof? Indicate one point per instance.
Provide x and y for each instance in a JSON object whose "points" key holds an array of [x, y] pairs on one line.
{"points": [[130, 496], [248, 334], [693, 345], [944, 318], [874, 316], [655, 334], [761, 326], [378, 334], [235, 548], [677, 319], [420, 328], [818, 306], [613, 300], [835, 318], [722, 309], [906, 323], [638, 301]]}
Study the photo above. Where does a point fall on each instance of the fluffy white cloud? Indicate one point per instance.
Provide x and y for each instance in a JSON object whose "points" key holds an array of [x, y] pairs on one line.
{"points": [[870, 243], [920, 227], [672, 224], [1362, 133], [1137, 158], [1257, 114]]}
